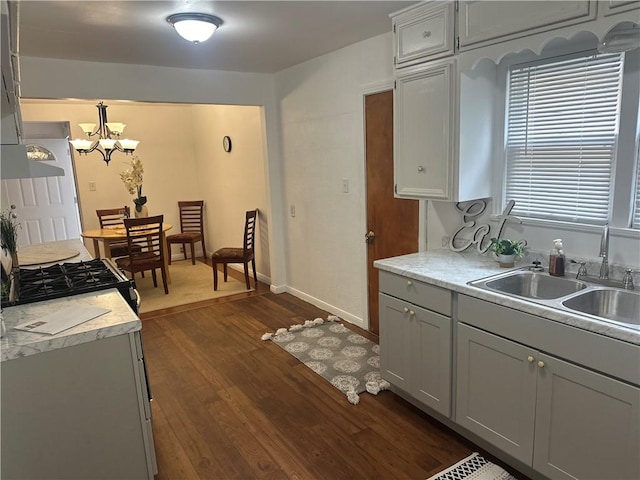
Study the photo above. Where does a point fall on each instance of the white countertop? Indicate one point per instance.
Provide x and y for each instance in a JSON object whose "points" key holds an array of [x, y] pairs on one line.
{"points": [[120, 320], [452, 270]]}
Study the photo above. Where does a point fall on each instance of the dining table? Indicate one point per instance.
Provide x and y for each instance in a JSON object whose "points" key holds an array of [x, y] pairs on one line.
{"points": [[114, 234]]}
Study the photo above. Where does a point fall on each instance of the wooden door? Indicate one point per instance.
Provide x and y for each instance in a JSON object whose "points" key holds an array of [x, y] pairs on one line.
{"points": [[394, 222]]}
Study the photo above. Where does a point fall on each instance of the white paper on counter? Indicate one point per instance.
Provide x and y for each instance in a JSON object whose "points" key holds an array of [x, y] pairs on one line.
{"points": [[63, 319]]}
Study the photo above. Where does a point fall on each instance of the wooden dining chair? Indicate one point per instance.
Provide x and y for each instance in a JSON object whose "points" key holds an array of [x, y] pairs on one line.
{"points": [[113, 217], [245, 254], [191, 229], [145, 240]]}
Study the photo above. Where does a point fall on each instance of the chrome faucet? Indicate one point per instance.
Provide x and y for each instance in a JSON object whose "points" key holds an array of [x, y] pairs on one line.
{"points": [[604, 253]]}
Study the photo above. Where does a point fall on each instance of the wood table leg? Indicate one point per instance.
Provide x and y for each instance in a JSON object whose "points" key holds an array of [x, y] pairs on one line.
{"points": [[96, 247], [165, 254]]}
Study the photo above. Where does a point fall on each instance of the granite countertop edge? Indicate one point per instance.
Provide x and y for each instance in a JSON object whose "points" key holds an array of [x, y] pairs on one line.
{"points": [[452, 270], [119, 320]]}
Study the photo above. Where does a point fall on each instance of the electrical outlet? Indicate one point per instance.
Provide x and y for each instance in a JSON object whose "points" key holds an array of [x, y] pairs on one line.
{"points": [[92, 186]]}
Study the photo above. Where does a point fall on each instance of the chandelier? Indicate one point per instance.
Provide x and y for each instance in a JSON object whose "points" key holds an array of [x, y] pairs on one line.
{"points": [[107, 137]]}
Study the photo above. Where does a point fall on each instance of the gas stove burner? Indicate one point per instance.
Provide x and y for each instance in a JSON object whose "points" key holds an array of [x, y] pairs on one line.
{"points": [[63, 280], [95, 265], [43, 286]]}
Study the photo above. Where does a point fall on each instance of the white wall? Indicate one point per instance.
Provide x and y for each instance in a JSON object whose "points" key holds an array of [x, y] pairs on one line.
{"points": [[321, 110]]}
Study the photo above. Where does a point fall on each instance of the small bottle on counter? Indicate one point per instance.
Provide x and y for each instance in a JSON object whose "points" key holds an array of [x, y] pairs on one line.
{"points": [[556, 259]]}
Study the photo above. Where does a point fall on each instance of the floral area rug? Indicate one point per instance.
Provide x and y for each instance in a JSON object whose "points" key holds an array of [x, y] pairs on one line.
{"points": [[474, 467], [347, 360]]}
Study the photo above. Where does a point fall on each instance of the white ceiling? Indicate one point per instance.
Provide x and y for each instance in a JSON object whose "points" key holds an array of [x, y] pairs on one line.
{"points": [[257, 36]]}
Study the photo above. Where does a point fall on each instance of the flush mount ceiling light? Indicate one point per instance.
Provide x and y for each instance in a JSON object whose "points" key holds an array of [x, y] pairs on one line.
{"points": [[620, 40], [195, 27]]}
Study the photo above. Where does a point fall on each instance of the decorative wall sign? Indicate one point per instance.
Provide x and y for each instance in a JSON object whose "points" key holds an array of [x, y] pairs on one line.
{"points": [[480, 231]]}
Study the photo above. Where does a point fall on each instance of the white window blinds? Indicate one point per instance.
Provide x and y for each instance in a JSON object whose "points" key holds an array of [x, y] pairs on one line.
{"points": [[562, 127], [636, 210]]}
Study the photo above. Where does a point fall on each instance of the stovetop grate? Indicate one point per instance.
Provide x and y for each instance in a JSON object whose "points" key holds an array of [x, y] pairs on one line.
{"points": [[61, 280]]}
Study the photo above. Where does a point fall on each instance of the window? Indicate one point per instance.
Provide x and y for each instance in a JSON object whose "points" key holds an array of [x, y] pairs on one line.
{"points": [[563, 119], [636, 212]]}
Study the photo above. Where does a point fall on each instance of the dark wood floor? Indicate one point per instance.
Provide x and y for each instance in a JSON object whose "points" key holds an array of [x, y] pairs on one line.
{"points": [[230, 406]]}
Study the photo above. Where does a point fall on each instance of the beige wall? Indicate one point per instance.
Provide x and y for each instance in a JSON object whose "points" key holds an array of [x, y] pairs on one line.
{"points": [[181, 150], [232, 183]]}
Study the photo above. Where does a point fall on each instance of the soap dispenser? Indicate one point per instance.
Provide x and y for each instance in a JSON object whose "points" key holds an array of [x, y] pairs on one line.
{"points": [[556, 259]]}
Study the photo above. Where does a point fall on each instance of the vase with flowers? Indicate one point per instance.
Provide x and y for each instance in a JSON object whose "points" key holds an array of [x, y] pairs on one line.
{"points": [[132, 179]]}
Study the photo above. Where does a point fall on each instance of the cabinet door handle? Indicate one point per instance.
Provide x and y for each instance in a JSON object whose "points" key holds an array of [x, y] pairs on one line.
{"points": [[409, 283], [420, 168], [405, 310], [426, 34], [541, 364], [530, 359], [411, 313]]}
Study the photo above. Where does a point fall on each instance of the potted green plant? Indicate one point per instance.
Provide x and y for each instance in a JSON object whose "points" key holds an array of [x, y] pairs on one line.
{"points": [[507, 250], [9, 243]]}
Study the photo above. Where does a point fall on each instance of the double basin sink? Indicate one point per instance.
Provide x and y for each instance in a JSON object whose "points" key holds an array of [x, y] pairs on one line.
{"points": [[571, 295]]}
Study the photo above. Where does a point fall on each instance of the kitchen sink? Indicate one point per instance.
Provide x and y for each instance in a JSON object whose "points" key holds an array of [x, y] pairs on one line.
{"points": [[534, 285], [579, 297], [528, 284], [610, 303]]}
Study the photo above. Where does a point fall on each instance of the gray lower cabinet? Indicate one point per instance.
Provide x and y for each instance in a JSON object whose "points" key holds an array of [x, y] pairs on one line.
{"points": [[415, 344], [78, 412], [562, 419]]}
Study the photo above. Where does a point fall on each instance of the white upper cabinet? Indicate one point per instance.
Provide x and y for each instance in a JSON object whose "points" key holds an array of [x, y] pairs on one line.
{"points": [[424, 113], [486, 22], [443, 131], [425, 32], [612, 7], [9, 105]]}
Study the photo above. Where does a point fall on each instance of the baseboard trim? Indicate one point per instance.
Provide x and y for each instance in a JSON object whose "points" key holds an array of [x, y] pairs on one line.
{"points": [[325, 306]]}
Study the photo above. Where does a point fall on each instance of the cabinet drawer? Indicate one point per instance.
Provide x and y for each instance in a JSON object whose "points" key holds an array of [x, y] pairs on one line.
{"points": [[478, 24], [424, 295], [612, 7], [426, 31]]}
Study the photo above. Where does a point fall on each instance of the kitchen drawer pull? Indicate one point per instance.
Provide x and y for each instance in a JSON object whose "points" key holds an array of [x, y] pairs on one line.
{"points": [[426, 34], [409, 283], [541, 364], [420, 168], [405, 310], [411, 313], [530, 359]]}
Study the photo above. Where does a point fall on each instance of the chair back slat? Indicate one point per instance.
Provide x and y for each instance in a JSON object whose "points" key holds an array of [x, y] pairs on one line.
{"points": [[112, 216], [144, 238], [191, 216], [249, 231]]}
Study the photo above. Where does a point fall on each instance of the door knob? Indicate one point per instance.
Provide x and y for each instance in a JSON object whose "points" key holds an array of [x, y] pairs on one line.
{"points": [[369, 236]]}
